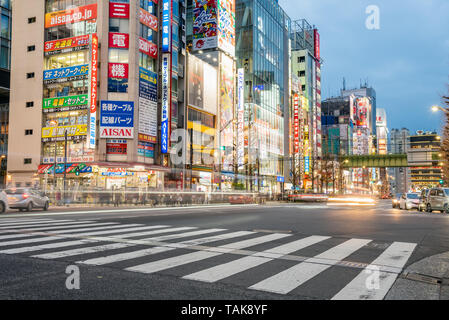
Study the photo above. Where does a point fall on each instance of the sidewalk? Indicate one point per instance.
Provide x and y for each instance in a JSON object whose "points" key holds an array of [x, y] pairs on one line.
{"points": [[427, 279]]}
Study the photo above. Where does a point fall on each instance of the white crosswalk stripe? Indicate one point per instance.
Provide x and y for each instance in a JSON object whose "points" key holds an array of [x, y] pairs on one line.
{"points": [[395, 256], [201, 255], [102, 243], [228, 269], [290, 279]]}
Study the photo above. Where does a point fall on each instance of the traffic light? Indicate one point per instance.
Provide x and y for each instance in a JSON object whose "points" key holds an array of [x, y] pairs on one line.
{"points": [[441, 181], [77, 171], [222, 148]]}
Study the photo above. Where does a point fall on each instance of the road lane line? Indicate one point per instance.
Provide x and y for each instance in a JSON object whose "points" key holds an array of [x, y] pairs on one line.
{"points": [[30, 224], [141, 253], [48, 246], [52, 225], [225, 270], [361, 288], [201, 255], [290, 279]]}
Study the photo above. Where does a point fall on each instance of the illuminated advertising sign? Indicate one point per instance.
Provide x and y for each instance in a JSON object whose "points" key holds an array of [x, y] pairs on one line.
{"points": [[148, 48], [166, 25], [362, 112], [118, 70], [227, 90], [119, 147], [58, 133], [205, 24], [316, 37], [74, 15], [66, 74], [307, 165], [296, 122], [226, 26], [119, 40], [65, 103], [147, 105], [241, 117], [91, 143], [119, 10], [66, 45], [145, 149], [166, 102], [117, 119], [148, 19]]}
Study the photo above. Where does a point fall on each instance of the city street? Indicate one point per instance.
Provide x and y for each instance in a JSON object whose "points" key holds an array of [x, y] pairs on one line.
{"points": [[273, 251]]}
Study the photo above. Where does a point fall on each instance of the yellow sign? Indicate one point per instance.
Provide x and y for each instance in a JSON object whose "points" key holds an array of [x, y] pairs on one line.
{"points": [[55, 132]]}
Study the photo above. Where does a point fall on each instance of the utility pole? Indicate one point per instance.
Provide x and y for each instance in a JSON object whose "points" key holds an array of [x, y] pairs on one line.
{"points": [[65, 165]]}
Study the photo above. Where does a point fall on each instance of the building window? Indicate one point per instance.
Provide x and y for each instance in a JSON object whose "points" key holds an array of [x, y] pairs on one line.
{"points": [[29, 132], [30, 104], [117, 85], [303, 88], [32, 20], [30, 75], [301, 59], [31, 48], [302, 73], [27, 161]]}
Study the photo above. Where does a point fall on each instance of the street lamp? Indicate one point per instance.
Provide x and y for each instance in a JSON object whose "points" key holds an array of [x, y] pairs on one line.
{"points": [[436, 108]]}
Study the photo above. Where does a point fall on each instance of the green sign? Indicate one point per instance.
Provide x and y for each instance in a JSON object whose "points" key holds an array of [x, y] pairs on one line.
{"points": [[61, 102]]}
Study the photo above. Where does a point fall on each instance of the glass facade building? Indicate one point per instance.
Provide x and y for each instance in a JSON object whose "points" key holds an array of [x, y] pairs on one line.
{"points": [[262, 50]]}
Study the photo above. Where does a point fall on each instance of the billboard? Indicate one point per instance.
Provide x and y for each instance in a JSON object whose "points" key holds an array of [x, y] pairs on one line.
{"points": [[241, 117], [114, 146], [316, 41], [147, 105], [66, 74], [166, 25], [74, 15], [148, 19], [119, 10], [196, 82], [58, 133], [226, 26], [66, 45], [296, 123], [148, 48], [65, 103], [117, 119], [362, 112], [166, 102], [226, 90], [93, 93], [118, 70], [118, 40]]}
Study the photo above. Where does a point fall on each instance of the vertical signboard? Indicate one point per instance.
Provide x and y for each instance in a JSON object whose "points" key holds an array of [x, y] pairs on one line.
{"points": [[296, 122], [147, 105], [93, 93], [316, 37], [226, 26], [227, 91], [241, 117], [166, 103], [166, 25]]}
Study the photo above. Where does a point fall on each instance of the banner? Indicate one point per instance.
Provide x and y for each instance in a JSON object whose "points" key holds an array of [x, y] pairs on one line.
{"points": [[74, 15], [66, 74], [166, 102], [147, 105], [296, 123], [117, 119], [66, 45], [91, 143], [241, 117]]}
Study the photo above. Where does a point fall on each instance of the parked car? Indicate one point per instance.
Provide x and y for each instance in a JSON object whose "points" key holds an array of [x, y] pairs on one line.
{"points": [[438, 199], [395, 200], [409, 201], [27, 199], [3, 202], [423, 200]]}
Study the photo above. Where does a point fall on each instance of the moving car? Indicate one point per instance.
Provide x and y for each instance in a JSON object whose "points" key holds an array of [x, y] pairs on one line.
{"points": [[422, 206], [409, 201], [395, 200], [438, 199], [3, 202], [27, 199]]}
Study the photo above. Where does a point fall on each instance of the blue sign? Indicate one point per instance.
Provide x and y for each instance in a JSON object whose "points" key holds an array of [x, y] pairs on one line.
{"points": [[166, 26], [166, 92], [307, 164], [70, 72], [281, 179], [117, 114]]}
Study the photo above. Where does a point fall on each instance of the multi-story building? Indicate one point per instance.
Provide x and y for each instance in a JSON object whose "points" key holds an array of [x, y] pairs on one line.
{"points": [[262, 52], [424, 157], [5, 67], [306, 64], [399, 144], [95, 86]]}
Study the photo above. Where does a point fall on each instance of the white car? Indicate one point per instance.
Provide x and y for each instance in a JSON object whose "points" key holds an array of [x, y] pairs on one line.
{"points": [[3, 201], [409, 201]]}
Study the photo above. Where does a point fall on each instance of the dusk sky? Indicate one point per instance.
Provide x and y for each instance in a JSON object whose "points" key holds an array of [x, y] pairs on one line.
{"points": [[406, 61]]}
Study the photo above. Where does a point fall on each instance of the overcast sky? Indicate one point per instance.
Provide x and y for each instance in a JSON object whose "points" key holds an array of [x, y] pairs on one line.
{"points": [[406, 60]]}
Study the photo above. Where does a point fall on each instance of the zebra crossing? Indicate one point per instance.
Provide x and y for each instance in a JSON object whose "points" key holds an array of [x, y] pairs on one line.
{"points": [[278, 263]]}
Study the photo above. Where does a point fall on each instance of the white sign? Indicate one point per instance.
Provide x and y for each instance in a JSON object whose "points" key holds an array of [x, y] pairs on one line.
{"points": [[241, 117], [117, 132]]}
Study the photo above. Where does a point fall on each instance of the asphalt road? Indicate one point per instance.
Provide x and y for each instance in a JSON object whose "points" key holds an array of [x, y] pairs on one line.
{"points": [[275, 251]]}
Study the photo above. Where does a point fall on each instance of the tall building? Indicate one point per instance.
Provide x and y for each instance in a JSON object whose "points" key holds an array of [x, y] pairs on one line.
{"points": [[98, 82], [399, 144], [424, 157], [262, 52], [306, 65], [5, 67]]}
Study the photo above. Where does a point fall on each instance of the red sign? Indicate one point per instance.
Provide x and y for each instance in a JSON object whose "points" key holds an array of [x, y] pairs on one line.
{"points": [[147, 138], [148, 48], [119, 40], [116, 148], [66, 43], [118, 70], [147, 19], [296, 122], [119, 10], [317, 44], [74, 15], [93, 93], [124, 133]]}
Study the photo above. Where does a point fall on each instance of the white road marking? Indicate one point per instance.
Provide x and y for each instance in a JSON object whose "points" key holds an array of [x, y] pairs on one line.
{"points": [[290, 279], [30, 224], [201, 255], [228, 269], [80, 251], [395, 256], [48, 246]]}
